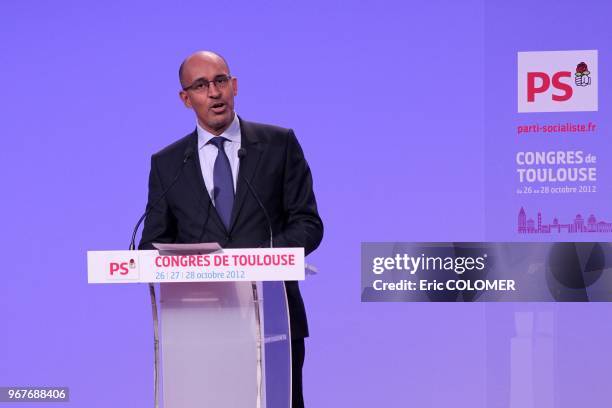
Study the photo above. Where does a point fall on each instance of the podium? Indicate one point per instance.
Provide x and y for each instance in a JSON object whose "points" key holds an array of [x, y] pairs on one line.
{"points": [[223, 335]]}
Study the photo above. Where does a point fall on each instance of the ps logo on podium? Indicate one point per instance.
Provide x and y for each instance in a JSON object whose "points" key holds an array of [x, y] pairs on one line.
{"points": [[123, 270], [557, 81]]}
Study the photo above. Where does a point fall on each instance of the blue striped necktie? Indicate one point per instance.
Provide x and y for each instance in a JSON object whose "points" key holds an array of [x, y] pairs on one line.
{"points": [[223, 191]]}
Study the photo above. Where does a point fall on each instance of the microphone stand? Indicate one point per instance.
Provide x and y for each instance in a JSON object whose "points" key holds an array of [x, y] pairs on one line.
{"points": [[256, 298], [187, 155]]}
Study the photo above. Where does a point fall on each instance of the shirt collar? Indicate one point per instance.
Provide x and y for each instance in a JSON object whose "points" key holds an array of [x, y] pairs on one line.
{"points": [[232, 133]]}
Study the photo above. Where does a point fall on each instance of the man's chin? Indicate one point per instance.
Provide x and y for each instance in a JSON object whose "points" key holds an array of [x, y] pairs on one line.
{"points": [[220, 122]]}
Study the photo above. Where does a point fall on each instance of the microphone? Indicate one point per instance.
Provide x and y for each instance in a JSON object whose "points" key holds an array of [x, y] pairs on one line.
{"points": [[186, 156], [242, 152]]}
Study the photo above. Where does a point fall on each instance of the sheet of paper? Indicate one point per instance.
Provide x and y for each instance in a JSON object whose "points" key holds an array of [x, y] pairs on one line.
{"points": [[203, 247]]}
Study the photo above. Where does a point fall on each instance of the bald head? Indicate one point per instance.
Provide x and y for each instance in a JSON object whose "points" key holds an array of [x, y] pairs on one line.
{"points": [[208, 89], [198, 58]]}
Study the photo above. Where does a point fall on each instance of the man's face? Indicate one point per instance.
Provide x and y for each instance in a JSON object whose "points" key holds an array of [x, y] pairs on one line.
{"points": [[213, 104]]}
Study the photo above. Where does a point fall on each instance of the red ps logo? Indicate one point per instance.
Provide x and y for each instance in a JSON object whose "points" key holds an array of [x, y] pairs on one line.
{"points": [[540, 82], [122, 268]]}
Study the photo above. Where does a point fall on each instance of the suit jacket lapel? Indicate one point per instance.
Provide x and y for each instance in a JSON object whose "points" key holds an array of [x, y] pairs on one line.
{"points": [[248, 166]]}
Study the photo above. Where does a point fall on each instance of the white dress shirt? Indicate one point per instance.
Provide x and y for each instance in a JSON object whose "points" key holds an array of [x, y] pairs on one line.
{"points": [[208, 153]]}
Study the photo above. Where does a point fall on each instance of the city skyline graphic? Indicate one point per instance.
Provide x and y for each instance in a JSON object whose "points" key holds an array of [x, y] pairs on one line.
{"points": [[531, 226]]}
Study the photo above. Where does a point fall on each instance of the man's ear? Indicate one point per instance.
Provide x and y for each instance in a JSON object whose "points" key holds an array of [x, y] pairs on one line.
{"points": [[185, 98], [235, 85]]}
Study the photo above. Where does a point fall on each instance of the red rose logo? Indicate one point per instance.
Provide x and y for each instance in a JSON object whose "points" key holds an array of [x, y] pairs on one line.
{"points": [[582, 75]]}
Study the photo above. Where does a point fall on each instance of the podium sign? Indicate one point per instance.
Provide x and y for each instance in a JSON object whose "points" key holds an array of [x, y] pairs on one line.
{"points": [[226, 265]]}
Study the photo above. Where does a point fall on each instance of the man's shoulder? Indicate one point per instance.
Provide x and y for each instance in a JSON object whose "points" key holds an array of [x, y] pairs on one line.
{"points": [[177, 148], [255, 131], [264, 132], [263, 127]]}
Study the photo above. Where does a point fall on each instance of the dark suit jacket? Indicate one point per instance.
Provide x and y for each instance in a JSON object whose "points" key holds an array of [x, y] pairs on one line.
{"points": [[275, 166]]}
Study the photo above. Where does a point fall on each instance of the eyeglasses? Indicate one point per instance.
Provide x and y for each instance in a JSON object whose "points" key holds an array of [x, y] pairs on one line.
{"points": [[202, 84]]}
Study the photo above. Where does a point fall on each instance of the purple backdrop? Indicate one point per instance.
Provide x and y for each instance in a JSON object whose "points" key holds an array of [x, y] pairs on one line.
{"points": [[580, 335], [388, 103]]}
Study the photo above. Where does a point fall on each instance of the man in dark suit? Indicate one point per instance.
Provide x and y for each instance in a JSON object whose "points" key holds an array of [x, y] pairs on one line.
{"points": [[210, 200]]}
